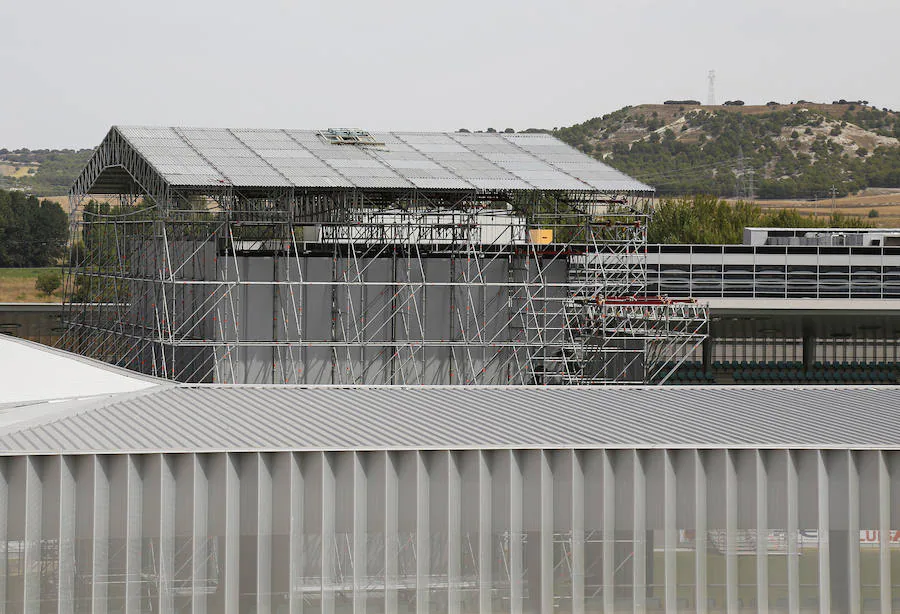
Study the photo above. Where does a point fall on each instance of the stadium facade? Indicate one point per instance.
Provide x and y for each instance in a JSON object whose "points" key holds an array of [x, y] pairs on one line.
{"points": [[453, 499]]}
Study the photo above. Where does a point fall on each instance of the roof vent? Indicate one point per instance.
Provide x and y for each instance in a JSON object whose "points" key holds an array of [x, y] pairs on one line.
{"points": [[343, 136]]}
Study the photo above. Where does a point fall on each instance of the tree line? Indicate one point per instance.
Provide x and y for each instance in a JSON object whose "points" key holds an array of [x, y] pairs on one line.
{"points": [[33, 232], [708, 219]]}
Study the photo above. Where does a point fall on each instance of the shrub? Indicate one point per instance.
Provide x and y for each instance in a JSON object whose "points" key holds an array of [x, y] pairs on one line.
{"points": [[873, 213], [48, 282]]}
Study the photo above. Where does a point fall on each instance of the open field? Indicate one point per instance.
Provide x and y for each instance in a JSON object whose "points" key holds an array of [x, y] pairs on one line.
{"points": [[886, 201], [17, 286]]}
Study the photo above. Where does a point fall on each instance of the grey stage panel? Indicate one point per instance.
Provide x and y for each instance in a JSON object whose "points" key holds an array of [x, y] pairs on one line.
{"points": [[256, 323], [376, 310], [317, 321], [437, 321]]}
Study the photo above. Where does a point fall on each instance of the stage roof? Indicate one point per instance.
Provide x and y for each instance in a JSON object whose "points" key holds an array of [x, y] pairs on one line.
{"points": [[271, 158]]}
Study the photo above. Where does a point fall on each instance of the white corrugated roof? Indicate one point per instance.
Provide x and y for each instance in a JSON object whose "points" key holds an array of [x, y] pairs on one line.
{"points": [[271, 418], [256, 158]]}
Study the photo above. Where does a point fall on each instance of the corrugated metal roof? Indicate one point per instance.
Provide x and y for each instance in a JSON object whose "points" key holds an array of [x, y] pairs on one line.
{"points": [[243, 418], [436, 161]]}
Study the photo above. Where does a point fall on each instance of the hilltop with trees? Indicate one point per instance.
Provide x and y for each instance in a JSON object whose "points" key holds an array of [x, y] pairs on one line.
{"points": [[42, 172], [795, 150]]}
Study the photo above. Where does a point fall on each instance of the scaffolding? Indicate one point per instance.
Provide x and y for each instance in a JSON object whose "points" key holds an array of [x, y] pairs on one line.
{"points": [[236, 284]]}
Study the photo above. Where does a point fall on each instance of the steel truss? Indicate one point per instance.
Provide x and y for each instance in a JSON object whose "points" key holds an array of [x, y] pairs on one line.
{"points": [[352, 286]]}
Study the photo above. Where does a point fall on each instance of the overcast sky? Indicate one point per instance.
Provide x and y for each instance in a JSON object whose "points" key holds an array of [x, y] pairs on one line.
{"points": [[72, 69]]}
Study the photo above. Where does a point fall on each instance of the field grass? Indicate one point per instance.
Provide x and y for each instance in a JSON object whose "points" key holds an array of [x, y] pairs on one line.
{"points": [[885, 201], [17, 286]]}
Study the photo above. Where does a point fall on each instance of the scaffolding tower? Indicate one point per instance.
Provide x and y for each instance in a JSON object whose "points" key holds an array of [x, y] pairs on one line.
{"points": [[202, 280]]}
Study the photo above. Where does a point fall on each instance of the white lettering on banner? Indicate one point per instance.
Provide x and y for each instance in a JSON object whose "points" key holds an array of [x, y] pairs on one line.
{"points": [[776, 541]]}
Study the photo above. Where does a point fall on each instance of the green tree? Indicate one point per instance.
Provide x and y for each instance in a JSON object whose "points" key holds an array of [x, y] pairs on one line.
{"points": [[48, 282], [33, 233]]}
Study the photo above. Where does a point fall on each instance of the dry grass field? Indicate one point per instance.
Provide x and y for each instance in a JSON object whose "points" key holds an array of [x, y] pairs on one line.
{"points": [[17, 286], [886, 201]]}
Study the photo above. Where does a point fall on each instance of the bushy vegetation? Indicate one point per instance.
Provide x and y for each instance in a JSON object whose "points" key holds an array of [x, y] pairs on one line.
{"points": [[48, 282], [795, 152], [708, 219], [33, 232]]}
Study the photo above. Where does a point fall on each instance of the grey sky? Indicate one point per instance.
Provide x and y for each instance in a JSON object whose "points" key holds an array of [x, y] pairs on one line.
{"points": [[72, 69]]}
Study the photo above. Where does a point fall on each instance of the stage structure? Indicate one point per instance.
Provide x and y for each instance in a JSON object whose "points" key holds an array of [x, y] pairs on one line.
{"points": [[349, 257]]}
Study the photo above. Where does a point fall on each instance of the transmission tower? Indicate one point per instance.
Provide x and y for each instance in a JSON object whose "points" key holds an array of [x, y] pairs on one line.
{"points": [[711, 92], [739, 192], [743, 180]]}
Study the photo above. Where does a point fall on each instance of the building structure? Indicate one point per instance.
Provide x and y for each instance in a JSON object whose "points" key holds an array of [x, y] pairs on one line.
{"points": [[431, 499], [342, 256]]}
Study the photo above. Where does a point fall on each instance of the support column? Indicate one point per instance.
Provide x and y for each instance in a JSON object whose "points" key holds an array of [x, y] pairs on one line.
{"points": [[34, 497], [762, 532], [884, 531], [296, 558], [454, 534], [232, 589], [640, 534], [100, 547], [360, 534], [66, 562], [577, 533], [328, 534], [199, 534], [707, 347], [4, 526], [263, 533], [824, 531], [133, 535], [423, 534], [391, 533], [670, 532], [166, 534], [809, 348], [731, 528], [700, 536], [854, 593], [546, 534], [609, 533], [516, 532], [484, 534], [793, 531]]}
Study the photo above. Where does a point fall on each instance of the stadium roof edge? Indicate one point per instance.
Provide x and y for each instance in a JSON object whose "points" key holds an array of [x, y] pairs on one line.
{"points": [[218, 418]]}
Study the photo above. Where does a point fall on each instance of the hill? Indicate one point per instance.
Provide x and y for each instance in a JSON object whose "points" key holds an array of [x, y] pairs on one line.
{"points": [[42, 172], [798, 150]]}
